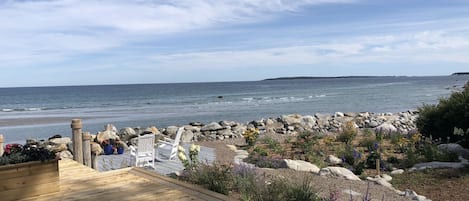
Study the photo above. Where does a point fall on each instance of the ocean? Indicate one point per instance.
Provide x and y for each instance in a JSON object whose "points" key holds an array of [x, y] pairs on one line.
{"points": [[40, 112]]}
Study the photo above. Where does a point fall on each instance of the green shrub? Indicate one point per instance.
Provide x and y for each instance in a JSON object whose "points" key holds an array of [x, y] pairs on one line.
{"points": [[216, 177], [439, 120], [348, 134], [284, 190], [273, 145]]}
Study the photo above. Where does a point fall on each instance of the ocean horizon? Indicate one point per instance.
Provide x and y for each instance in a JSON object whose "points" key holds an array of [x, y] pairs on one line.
{"points": [[40, 112]]}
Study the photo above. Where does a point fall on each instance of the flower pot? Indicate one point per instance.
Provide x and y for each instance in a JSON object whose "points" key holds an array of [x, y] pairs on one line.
{"points": [[120, 150], [108, 150]]}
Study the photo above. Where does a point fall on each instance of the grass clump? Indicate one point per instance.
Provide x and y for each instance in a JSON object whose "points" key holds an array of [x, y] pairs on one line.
{"points": [[349, 132]]}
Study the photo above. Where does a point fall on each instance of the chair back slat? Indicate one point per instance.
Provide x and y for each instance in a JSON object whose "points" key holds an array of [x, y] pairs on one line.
{"points": [[146, 143]]}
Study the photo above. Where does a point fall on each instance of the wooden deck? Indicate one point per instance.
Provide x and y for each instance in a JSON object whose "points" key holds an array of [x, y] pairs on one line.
{"points": [[78, 182], [114, 162]]}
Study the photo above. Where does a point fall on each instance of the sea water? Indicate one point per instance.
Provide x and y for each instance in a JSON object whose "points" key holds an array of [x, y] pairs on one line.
{"points": [[163, 105]]}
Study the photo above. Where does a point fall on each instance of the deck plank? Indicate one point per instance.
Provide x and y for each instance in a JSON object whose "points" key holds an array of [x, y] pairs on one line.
{"points": [[78, 182]]}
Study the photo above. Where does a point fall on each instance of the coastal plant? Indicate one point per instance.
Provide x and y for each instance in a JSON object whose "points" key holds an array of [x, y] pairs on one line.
{"points": [[439, 120], [216, 177], [348, 134], [193, 160], [273, 145], [250, 136], [245, 180], [352, 159], [280, 189]]}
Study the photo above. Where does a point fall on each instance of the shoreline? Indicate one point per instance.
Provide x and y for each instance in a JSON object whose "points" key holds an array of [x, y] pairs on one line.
{"points": [[402, 122]]}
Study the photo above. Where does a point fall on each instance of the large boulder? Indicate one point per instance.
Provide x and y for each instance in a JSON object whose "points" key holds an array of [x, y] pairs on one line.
{"points": [[214, 126], [63, 140], [387, 127], [127, 133], [455, 148], [171, 131], [96, 149], [339, 172], [292, 119], [300, 165], [106, 135], [187, 136]]}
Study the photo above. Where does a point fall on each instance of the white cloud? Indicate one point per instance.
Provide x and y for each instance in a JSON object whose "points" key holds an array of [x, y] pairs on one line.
{"points": [[73, 27], [421, 47]]}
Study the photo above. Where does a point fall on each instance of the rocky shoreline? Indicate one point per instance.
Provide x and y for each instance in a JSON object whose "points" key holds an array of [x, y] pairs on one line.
{"points": [[323, 124], [292, 124]]}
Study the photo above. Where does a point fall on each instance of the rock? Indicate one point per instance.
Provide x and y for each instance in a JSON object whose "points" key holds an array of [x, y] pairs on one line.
{"points": [[106, 135], [171, 131], [386, 177], [127, 133], [331, 159], [292, 119], [386, 127], [59, 147], [199, 124], [455, 148], [232, 147], [299, 165], [308, 121], [373, 124], [55, 136], [339, 114], [110, 127], [436, 164], [398, 171], [96, 149], [65, 154], [187, 136], [228, 123], [339, 172], [225, 132], [214, 126], [152, 129], [381, 181], [64, 140]]}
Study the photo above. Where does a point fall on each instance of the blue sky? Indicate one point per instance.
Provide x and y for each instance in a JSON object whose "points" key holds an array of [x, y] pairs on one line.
{"points": [[81, 42]]}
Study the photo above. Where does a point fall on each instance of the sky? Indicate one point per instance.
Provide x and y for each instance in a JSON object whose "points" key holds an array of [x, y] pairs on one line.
{"points": [[86, 42]]}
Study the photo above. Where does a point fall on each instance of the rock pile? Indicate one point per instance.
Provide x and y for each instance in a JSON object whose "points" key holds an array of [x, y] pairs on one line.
{"points": [[401, 122]]}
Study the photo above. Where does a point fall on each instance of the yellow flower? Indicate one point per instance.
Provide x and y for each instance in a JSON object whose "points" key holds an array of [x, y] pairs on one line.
{"points": [[182, 156], [181, 149], [194, 148]]}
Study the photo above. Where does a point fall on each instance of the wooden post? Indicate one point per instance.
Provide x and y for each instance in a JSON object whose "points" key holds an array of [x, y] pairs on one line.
{"points": [[94, 164], [87, 149], [77, 140], [1, 145], [378, 167]]}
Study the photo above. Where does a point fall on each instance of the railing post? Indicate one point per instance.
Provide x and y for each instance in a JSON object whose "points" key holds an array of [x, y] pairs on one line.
{"points": [[378, 167], [87, 149], [1, 145], [77, 140]]}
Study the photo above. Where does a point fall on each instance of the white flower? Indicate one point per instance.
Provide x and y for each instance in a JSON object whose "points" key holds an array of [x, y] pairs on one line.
{"points": [[181, 149], [195, 148], [182, 156]]}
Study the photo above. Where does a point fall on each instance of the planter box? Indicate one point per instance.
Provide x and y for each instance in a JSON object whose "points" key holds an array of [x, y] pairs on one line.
{"points": [[29, 179]]}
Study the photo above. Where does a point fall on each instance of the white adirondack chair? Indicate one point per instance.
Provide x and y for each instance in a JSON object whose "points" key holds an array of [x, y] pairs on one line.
{"points": [[168, 148], [144, 153]]}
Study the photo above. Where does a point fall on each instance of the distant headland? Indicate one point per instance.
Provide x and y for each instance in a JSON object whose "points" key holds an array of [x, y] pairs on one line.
{"points": [[345, 77], [461, 73], [312, 77]]}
